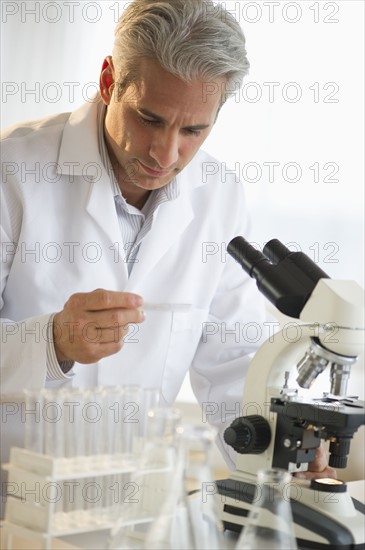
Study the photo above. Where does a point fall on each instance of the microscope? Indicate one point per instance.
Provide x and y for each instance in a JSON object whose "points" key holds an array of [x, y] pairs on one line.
{"points": [[285, 427]]}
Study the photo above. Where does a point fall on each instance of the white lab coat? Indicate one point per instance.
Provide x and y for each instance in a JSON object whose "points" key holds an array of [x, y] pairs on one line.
{"points": [[60, 235]]}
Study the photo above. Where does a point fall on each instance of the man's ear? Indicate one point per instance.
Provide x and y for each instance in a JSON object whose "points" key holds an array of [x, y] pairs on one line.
{"points": [[107, 80]]}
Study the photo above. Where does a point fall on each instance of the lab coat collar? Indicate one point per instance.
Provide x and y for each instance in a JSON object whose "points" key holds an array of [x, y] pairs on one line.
{"points": [[79, 145], [79, 156]]}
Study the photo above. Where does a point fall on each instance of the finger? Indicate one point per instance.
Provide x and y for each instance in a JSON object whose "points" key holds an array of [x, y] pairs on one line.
{"points": [[318, 468], [109, 299], [101, 299], [320, 462], [326, 472], [95, 335], [112, 318]]}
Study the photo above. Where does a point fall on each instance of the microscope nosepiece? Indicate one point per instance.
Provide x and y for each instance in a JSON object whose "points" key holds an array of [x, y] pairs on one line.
{"points": [[311, 365], [316, 360]]}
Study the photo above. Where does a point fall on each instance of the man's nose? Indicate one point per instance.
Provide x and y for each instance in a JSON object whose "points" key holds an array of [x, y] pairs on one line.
{"points": [[165, 149]]}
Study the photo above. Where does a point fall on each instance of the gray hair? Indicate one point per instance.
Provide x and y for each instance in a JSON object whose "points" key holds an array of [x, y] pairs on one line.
{"points": [[191, 39]]}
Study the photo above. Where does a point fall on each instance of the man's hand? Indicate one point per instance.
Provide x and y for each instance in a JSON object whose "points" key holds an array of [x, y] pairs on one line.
{"points": [[93, 325], [319, 467]]}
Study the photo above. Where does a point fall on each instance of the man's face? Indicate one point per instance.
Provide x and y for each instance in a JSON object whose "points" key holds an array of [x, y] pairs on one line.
{"points": [[157, 126]]}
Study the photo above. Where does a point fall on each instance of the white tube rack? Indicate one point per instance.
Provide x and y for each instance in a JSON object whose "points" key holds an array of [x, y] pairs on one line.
{"points": [[34, 483]]}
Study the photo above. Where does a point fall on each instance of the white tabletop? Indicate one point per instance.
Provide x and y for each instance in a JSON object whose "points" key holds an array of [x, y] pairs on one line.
{"points": [[97, 540]]}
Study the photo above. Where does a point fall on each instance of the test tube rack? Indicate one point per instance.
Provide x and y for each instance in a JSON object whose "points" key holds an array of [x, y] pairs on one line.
{"points": [[36, 482], [79, 470]]}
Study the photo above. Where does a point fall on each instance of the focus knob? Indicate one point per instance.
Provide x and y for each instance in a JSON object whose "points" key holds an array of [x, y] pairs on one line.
{"points": [[248, 434], [339, 451]]}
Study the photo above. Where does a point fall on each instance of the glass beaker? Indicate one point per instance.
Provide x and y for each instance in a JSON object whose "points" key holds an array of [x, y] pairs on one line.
{"points": [[172, 527], [200, 487], [270, 522], [151, 484]]}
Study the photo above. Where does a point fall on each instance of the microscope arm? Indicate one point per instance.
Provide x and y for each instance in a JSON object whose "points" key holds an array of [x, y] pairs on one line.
{"points": [[269, 366]]}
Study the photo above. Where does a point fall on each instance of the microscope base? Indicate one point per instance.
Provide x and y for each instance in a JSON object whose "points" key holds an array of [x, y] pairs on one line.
{"points": [[314, 529]]}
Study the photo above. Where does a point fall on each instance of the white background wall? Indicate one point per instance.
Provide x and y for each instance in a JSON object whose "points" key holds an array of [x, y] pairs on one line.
{"points": [[295, 134]]}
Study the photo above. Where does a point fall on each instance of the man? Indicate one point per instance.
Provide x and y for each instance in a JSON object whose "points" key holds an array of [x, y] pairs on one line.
{"points": [[118, 211]]}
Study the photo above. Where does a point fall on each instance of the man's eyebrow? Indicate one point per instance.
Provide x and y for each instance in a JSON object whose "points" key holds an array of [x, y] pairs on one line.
{"points": [[158, 118]]}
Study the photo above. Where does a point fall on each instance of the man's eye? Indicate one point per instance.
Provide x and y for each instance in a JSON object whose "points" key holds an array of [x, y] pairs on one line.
{"points": [[152, 122], [147, 121], [192, 132]]}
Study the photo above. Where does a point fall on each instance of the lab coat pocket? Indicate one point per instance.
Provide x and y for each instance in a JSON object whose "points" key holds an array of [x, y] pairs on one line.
{"points": [[186, 331]]}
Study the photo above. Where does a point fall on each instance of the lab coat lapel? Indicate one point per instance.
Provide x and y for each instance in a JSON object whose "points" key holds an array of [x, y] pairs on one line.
{"points": [[79, 153], [101, 207], [171, 219]]}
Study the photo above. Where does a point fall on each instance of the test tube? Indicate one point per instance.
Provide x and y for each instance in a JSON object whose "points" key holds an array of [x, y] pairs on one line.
{"points": [[113, 409], [34, 422], [113, 495], [76, 505], [158, 463], [60, 518], [130, 422], [100, 449], [92, 495], [150, 399], [73, 399], [53, 416], [69, 505], [91, 414]]}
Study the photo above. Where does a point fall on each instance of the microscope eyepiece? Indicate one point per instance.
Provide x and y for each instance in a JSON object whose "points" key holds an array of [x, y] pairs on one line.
{"points": [[245, 254], [286, 278]]}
